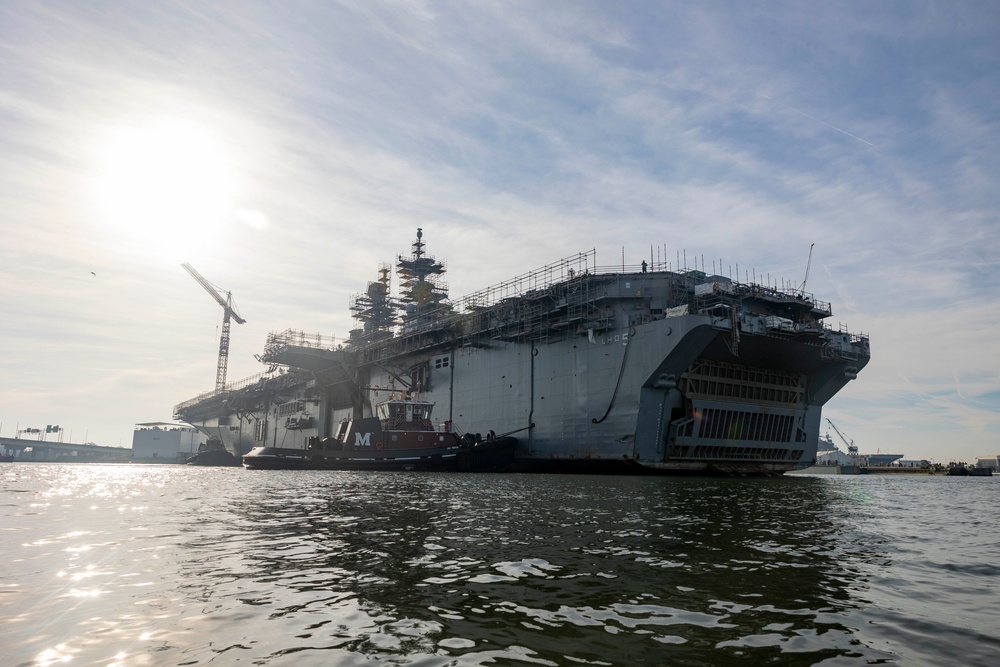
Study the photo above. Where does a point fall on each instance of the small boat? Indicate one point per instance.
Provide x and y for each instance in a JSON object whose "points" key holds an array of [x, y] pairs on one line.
{"points": [[962, 470], [401, 437], [212, 453]]}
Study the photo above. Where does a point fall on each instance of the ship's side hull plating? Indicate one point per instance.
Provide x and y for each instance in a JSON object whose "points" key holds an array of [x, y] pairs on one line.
{"points": [[637, 399]]}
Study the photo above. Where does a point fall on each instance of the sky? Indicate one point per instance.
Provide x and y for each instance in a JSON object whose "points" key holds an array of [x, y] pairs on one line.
{"points": [[285, 149]]}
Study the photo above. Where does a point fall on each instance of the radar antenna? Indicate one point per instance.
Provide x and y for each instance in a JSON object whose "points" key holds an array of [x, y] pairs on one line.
{"points": [[229, 311]]}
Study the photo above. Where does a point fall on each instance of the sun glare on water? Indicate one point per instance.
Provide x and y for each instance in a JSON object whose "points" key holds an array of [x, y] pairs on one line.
{"points": [[165, 187]]}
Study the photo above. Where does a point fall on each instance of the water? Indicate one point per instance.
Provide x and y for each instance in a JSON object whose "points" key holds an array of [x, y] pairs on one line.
{"points": [[166, 565]]}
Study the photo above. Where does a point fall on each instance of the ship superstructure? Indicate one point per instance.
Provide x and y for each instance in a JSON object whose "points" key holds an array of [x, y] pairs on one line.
{"points": [[594, 369]]}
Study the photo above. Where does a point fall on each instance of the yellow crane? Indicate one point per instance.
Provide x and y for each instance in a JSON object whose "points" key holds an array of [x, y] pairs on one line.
{"points": [[229, 311]]}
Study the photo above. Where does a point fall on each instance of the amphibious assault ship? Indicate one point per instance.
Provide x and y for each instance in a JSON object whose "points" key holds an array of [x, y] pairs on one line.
{"points": [[626, 369]]}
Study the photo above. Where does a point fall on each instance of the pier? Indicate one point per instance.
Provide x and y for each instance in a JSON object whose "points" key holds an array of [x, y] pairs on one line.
{"points": [[25, 449]]}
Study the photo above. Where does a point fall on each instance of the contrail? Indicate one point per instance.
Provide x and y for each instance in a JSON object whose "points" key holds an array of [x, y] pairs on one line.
{"points": [[832, 127]]}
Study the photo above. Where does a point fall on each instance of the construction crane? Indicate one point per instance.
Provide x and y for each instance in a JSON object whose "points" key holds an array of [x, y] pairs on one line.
{"points": [[229, 311], [852, 449], [802, 288]]}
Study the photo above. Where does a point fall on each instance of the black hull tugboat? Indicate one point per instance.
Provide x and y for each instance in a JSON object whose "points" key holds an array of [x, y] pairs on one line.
{"points": [[212, 453], [401, 437]]}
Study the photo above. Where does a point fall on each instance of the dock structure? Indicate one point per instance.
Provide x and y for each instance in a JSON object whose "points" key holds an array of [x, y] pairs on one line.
{"points": [[25, 449]]}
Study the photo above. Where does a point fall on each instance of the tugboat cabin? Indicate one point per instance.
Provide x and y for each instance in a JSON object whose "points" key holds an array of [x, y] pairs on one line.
{"points": [[405, 415]]}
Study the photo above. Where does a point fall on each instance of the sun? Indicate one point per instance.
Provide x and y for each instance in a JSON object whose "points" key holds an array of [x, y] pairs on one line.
{"points": [[165, 186]]}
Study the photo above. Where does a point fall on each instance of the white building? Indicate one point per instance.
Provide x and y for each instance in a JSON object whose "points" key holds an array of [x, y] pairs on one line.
{"points": [[163, 442], [990, 461]]}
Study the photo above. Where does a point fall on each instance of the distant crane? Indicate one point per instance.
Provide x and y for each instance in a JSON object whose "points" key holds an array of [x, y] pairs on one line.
{"points": [[229, 311], [802, 288], [852, 449]]}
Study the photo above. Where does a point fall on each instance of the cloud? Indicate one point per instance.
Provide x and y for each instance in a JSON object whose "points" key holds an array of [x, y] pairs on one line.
{"points": [[515, 134]]}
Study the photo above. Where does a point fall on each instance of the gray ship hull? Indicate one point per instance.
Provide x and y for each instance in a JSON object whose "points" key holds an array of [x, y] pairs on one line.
{"points": [[657, 372], [612, 402]]}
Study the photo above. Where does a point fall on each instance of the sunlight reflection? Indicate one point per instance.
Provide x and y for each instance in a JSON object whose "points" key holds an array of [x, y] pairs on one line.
{"points": [[253, 219], [78, 549], [85, 593], [91, 571], [162, 184], [51, 656], [119, 657]]}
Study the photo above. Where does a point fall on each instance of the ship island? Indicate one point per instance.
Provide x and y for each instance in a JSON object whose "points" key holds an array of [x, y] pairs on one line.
{"points": [[575, 368]]}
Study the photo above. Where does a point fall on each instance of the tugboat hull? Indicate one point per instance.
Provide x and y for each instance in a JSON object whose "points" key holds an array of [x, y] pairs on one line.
{"points": [[494, 455]]}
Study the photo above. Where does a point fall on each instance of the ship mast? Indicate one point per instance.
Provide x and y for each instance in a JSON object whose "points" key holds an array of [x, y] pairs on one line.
{"points": [[375, 309], [422, 293]]}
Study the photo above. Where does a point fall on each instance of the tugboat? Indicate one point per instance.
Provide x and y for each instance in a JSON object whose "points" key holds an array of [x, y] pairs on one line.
{"points": [[212, 453], [401, 437]]}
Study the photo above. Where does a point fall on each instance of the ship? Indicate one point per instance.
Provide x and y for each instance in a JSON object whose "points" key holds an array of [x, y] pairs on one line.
{"points": [[212, 453], [831, 461], [401, 436], [625, 369]]}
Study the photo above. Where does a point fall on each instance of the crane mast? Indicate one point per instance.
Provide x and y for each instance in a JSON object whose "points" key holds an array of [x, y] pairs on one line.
{"points": [[229, 313], [852, 449]]}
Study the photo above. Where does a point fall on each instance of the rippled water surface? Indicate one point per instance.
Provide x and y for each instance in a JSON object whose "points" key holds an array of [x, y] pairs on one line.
{"points": [[168, 565]]}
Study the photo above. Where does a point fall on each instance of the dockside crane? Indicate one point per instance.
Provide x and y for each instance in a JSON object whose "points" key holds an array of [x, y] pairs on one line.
{"points": [[852, 449], [229, 311]]}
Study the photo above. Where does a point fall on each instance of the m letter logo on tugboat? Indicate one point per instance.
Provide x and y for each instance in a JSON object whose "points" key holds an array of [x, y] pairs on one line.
{"points": [[362, 439]]}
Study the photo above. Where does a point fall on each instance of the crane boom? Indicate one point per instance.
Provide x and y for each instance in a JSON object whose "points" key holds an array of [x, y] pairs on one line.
{"points": [[226, 303], [852, 449], [229, 312], [802, 289]]}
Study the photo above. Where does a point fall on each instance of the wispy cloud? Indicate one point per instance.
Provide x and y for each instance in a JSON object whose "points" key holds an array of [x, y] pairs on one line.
{"points": [[515, 134]]}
